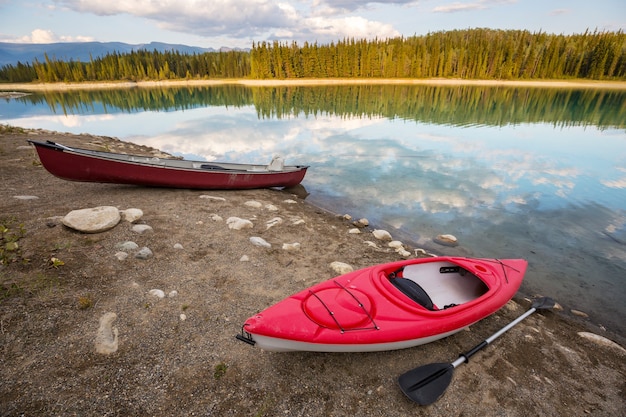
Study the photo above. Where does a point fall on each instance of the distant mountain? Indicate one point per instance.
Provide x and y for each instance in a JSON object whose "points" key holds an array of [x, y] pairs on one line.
{"points": [[12, 53]]}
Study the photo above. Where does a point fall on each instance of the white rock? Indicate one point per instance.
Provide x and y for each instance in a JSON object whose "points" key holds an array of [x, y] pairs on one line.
{"points": [[253, 204], [141, 228], [92, 220], [297, 221], [259, 241], [212, 198], [362, 223], [178, 246], [172, 294], [144, 253], [131, 215], [403, 252], [370, 243], [354, 231], [602, 341], [447, 240], [216, 217], [273, 222], [291, 246], [244, 258], [106, 337], [347, 217], [237, 223], [127, 246], [121, 255], [382, 235], [341, 267], [395, 244], [157, 293], [183, 317], [271, 207], [26, 197], [289, 201]]}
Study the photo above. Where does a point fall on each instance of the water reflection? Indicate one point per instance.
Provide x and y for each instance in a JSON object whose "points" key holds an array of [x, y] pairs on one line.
{"points": [[529, 173]]}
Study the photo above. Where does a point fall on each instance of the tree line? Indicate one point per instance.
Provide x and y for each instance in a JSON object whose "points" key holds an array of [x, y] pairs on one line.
{"points": [[465, 54]]}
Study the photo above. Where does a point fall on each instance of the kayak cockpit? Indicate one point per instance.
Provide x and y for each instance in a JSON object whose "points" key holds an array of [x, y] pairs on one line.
{"points": [[438, 285]]}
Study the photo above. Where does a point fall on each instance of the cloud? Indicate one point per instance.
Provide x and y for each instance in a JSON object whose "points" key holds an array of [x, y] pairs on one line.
{"points": [[47, 36], [475, 5], [249, 19]]}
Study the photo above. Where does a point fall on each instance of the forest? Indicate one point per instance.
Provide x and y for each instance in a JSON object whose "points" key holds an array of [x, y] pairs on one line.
{"points": [[463, 54]]}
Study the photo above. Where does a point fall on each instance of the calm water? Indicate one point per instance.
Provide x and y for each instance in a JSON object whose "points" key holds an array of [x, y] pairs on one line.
{"points": [[531, 173]]}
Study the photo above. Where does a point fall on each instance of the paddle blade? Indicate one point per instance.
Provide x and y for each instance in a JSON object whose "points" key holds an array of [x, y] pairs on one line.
{"points": [[543, 303], [426, 384]]}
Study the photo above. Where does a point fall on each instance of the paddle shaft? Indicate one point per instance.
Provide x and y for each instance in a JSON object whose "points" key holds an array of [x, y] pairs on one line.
{"points": [[464, 357]]}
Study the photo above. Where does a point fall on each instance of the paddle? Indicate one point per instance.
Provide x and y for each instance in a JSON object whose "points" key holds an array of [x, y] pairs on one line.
{"points": [[427, 383]]}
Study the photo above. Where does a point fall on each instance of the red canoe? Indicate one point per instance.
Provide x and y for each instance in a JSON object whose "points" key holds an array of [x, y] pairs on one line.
{"points": [[76, 164], [389, 306]]}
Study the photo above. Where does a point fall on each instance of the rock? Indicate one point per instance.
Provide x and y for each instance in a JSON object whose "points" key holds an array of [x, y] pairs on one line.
{"points": [[253, 204], [144, 253], [127, 246], [183, 317], [172, 294], [26, 197], [216, 217], [361, 223], [395, 244], [354, 231], [602, 341], [157, 293], [271, 207], [106, 337], [237, 223], [447, 240], [290, 201], [141, 228], [259, 241], [341, 268], [131, 215], [212, 198], [291, 246], [92, 220], [382, 235], [579, 313], [273, 222], [178, 246], [121, 255], [244, 258], [403, 252]]}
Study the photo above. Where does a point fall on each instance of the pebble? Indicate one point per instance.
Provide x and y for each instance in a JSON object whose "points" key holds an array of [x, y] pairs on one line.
{"points": [[259, 241], [244, 258], [121, 255], [253, 204], [354, 231], [273, 222], [141, 228], [178, 246], [602, 341], [382, 235], [212, 198], [237, 223], [144, 253], [447, 240], [127, 246], [291, 246], [157, 293], [131, 215], [361, 223], [26, 197], [216, 217], [579, 313], [341, 267]]}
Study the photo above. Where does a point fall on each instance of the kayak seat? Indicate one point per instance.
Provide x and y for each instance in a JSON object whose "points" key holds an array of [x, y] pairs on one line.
{"points": [[413, 290]]}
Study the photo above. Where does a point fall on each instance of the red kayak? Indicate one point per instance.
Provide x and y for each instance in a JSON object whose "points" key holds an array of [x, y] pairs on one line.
{"points": [[76, 164], [389, 306]]}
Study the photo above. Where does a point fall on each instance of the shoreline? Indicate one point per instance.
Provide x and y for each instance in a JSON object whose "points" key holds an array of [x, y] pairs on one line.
{"points": [[587, 84]]}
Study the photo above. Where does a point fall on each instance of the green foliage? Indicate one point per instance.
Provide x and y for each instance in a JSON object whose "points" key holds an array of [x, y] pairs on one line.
{"points": [[10, 234], [465, 54], [219, 370]]}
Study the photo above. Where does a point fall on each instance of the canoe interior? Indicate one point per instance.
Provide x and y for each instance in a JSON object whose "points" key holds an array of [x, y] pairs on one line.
{"points": [[438, 285]]}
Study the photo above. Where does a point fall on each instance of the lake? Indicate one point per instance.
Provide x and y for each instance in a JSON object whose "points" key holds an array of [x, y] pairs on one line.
{"points": [[535, 173]]}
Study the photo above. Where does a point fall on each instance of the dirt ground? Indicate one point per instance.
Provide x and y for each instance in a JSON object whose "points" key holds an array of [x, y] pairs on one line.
{"points": [[177, 356]]}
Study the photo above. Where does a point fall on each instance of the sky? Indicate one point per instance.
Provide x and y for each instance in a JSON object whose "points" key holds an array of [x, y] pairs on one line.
{"points": [[239, 23]]}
